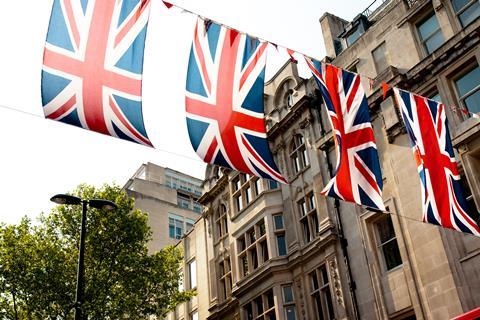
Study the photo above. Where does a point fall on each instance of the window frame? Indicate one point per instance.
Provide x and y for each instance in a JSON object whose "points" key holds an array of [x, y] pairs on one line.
{"points": [[422, 41], [251, 247], [385, 58], [298, 154], [221, 222], [379, 245], [266, 310], [225, 277], [192, 280], [280, 232], [323, 292], [288, 304], [245, 189], [308, 217], [468, 67], [463, 10]]}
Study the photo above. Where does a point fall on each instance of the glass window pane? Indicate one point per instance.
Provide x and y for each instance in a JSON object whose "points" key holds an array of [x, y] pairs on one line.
{"points": [[391, 254], [270, 300], [315, 286], [278, 219], [473, 102], [195, 315], [434, 42], [282, 246], [470, 14], [468, 82], [436, 97], [290, 313], [428, 27], [355, 35], [259, 305], [272, 184], [249, 312], [459, 4], [287, 294], [385, 230], [328, 297], [192, 272], [318, 303], [171, 231]]}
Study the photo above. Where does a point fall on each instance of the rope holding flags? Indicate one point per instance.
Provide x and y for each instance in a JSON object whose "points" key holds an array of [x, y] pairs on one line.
{"points": [[92, 78]]}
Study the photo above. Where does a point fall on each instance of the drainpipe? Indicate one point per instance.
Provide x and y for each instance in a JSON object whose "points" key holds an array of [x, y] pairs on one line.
{"points": [[344, 244]]}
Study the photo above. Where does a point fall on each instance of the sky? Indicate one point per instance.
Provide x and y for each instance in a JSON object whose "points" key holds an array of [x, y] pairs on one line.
{"points": [[40, 158]]}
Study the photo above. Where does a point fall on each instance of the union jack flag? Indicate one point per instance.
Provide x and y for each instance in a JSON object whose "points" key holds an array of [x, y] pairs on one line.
{"points": [[442, 196], [224, 100], [357, 175], [92, 66]]}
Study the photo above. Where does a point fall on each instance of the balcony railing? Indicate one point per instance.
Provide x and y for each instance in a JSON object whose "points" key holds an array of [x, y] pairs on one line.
{"points": [[411, 3], [374, 6]]}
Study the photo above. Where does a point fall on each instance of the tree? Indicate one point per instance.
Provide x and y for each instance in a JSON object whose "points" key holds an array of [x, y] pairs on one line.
{"points": [[38, 264]]}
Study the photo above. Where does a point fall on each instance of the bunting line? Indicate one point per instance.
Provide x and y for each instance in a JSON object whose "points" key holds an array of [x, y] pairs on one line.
{"points": [[383, 85]]}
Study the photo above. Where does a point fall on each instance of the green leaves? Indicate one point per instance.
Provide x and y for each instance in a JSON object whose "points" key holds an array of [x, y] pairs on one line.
{"points": [[38, 264]]}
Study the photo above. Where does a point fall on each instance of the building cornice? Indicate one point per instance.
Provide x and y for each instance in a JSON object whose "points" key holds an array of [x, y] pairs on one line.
{"points": [[217, 189]]}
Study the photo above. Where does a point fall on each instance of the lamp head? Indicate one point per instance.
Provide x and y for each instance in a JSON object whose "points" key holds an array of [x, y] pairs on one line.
{"points": [[103, 204], [65, 199]]}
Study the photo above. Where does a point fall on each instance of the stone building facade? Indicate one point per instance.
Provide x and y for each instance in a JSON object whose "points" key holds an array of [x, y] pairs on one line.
{"points": [[170, 198], [269, 251]]}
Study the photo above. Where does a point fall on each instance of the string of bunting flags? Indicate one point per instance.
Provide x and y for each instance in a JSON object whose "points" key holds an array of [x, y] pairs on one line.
{"points": [[92, 78]]}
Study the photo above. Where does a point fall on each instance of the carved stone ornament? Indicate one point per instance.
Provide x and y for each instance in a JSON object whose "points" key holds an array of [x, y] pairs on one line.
{"points": [[301, 301], [337, 286]]}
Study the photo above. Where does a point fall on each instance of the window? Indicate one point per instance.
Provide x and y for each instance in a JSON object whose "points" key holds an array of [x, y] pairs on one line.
{"points": [[430, 34], [175, 226], [380, 58], [320, 294], [466, 10], [192, 274], [272, 184], [188, 224], [308, 217], [470, 243], [262, 307], [468, 90], [338, 46], [253, 248], [183, 201], [387, 243], [289, 303], [221, 222], [355, 35], [225, 274], [298, 154], [245, 189], [435, 96], [289, 98], [197, 207], [194, 315], [279, 231]]}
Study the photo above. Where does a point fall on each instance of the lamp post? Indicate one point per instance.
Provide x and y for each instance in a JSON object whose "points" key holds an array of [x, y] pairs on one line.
{"points": [[95, 203]]}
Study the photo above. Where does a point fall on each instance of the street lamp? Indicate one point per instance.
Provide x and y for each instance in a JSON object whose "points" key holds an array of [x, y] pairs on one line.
{"points": [[95, 203]]}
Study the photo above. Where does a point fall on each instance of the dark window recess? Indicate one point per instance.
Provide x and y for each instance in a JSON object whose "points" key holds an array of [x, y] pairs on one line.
{"points": [[387, 243]]}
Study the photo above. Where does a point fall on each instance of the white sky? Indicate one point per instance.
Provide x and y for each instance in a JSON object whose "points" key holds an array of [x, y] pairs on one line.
{"points": [[40, 158]]}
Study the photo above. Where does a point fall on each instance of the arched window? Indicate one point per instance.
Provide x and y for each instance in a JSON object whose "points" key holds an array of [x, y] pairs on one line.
{"points": [[298, 154], [289, 98]]}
